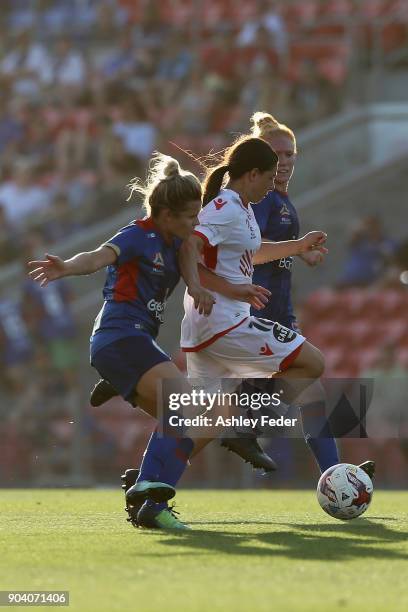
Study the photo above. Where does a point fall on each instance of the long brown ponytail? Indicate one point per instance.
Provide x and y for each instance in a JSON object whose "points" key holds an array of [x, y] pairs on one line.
{"points": [[213, 183], [243, 156]]}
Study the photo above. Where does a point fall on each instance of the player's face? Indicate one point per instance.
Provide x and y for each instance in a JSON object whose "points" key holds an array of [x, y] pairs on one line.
{"points": [[284, 148], [182, 225], [260, 183]]}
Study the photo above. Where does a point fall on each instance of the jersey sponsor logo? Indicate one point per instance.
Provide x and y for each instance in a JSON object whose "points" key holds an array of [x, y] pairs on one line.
{"points": [[283, 334], [158, 309], [286, 263], [158, 260], [219, 203], [266, 350], [245, 263]]}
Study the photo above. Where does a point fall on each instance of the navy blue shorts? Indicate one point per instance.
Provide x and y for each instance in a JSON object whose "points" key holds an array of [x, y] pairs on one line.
{"points": [[290, 322], [124, 361]]}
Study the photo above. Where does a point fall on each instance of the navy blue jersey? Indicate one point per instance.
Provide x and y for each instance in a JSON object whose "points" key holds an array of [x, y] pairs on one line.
{"points": [[278, 220], [137, 285]]}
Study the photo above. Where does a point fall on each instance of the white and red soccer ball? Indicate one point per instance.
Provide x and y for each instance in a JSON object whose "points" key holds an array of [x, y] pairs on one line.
{"points": [[344, 491]]}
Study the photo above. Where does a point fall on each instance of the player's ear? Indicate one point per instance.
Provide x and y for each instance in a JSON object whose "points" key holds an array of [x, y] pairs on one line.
{"points": [[253, 174], [165, 214]]}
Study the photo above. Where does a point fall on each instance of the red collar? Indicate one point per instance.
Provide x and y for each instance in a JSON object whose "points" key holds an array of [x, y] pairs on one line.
{"points": [[148, 224]]}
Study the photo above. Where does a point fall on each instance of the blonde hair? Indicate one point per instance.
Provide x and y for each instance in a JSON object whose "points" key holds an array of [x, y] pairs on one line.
{"points": [[167, 186], [265, 125]]}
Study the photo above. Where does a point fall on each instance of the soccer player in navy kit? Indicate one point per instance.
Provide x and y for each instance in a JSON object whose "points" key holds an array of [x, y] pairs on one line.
{"points": [[278, 220], [142, 272]]}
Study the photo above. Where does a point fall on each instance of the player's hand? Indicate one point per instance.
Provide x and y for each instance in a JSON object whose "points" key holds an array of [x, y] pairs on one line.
{"points": [[312, 258], [203, 300], [47, 270], [255, 295], [313, 241]]}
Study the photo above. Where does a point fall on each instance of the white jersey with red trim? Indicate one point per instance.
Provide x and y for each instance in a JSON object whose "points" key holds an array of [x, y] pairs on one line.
{"points": [[231, 236]]}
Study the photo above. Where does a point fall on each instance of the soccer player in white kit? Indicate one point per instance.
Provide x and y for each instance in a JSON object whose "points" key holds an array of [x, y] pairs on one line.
{"points": [[230, 342]]}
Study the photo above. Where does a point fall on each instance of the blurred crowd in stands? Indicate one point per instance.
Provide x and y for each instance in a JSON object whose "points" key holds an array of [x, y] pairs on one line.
{"points": [[361, 322], [361, 326], [373, 257], [89, 89]]}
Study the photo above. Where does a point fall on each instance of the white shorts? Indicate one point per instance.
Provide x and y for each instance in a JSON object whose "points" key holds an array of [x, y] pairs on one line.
{"points": [[256, 349]]}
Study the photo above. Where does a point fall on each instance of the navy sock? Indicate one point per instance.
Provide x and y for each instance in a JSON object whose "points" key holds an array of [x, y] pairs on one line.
{"points": [[318, 435], [176, 462], [154, 457], [165, 460]]}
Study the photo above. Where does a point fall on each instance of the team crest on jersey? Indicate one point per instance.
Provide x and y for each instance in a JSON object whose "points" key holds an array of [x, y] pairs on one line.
{"points": [[285, 215], [219, 203], [158, 260], [284, 210]]}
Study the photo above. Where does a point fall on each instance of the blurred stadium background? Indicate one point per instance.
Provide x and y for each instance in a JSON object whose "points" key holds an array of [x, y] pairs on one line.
{"points": [[89, 89]]}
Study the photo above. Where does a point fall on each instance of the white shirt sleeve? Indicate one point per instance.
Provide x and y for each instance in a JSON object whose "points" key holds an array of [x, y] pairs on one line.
{"points": [[216, 221]]}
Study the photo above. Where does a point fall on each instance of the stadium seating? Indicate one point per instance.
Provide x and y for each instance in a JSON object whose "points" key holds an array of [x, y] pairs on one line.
{"points": [[352, 326]]}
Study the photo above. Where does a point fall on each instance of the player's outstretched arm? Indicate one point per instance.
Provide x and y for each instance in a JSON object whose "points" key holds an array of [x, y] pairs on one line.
{"points": [[189, 257], [53, 267], [255, 295], [269, 251]]}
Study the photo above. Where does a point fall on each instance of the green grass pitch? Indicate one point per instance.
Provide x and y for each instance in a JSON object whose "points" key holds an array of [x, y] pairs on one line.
{"points": [[248, 550]]}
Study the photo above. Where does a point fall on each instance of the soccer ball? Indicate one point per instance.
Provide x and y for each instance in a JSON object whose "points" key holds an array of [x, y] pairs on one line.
{"points": [[344, 491]]}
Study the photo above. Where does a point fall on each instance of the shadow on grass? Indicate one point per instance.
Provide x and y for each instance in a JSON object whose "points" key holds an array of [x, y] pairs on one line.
{"points": [[322, 541]]}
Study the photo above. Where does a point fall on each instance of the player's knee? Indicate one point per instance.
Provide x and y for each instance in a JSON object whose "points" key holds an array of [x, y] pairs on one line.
{"points": [[314, 362], [317, 363]]}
